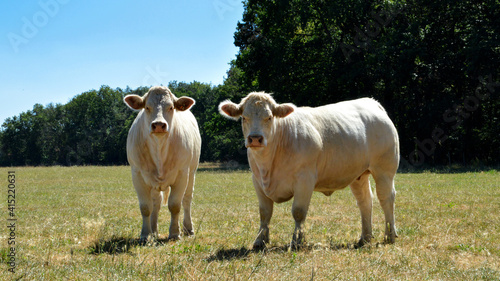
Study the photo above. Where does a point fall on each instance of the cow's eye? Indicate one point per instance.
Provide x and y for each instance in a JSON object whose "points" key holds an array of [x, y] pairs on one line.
{"points": [[245, 119], [269, 118], [171, 108], [148, 109]]}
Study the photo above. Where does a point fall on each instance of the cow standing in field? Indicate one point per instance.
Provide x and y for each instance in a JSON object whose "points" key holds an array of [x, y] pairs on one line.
{"points": [[163, 149], [295, 151]]}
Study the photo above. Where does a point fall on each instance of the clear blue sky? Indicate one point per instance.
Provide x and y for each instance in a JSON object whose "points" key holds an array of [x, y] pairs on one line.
{"points": [[53, 50]]}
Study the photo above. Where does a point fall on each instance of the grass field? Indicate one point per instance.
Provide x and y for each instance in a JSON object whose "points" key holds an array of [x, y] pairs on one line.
{"points": [[82, 223]]}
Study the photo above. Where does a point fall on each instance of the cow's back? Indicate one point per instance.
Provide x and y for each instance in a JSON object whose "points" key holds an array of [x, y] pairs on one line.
{"points": [[342, 140], [357, 135]]}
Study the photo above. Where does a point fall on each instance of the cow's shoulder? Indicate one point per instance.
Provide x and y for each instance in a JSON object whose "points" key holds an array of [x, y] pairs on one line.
{"points": [[299, 131], [186, 125]]}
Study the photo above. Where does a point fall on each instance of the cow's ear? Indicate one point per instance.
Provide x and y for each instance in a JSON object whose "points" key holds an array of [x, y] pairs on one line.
{"points": [[134, 101], [230, 110], [283, 110], [184, 103]]}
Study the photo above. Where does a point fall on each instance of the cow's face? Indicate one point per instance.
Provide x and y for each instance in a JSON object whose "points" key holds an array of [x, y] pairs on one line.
{"points": [[159, 105], [258, 112]]}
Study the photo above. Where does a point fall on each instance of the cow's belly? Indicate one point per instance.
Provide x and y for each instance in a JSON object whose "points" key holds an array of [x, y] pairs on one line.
{"points": [[329, 189], [282, 190], [282, 195], [332, 182], [277, 188], [160, 182]]}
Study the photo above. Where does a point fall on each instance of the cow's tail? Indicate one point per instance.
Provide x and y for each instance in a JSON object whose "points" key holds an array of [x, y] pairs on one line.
{"points": [[165, 195]]}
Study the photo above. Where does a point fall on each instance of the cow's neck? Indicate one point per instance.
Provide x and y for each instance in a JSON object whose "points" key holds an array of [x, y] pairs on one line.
{"points": [[158, 148], [262, 156], [264, 160]]}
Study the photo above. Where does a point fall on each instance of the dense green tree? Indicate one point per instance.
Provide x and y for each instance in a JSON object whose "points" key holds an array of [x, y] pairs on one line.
{"points": [[49, 141], [224, 137], [423, 60], [434, 66], [221, 138], [94, 127], [90, 129]]}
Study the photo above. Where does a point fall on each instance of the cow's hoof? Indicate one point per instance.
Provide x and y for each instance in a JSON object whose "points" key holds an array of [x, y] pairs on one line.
{"points": [[298, 241], [390, 239], [188, 232], [147, 240], [297, 245], [390, 234], [362, 242], [259, 245], [174, 237], [143, 241]]}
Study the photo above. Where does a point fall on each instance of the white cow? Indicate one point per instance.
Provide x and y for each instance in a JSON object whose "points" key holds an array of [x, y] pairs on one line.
{"points": [[163, 149], [295, 151]]}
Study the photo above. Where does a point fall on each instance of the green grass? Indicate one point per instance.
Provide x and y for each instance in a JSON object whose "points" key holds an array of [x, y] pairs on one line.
{"points": [[82, 223]]}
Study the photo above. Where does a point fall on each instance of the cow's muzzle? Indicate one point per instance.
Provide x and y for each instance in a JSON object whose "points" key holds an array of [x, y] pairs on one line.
{"points": [[255, 141], [159, 127]]}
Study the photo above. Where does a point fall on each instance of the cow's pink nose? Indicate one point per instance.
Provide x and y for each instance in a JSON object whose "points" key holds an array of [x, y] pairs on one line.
{"points": [[159, 127], [255, 140]]}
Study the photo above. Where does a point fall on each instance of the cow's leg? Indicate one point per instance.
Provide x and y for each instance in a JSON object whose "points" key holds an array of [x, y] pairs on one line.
{"points": [[145, 203], [266, 206], [361, 190], [174, 204], [156, 198], [386, 194], [186, 204], [302, 198]]}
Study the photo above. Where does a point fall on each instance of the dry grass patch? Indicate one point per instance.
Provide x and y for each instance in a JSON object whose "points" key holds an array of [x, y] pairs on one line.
{"points": [[83, 223]]}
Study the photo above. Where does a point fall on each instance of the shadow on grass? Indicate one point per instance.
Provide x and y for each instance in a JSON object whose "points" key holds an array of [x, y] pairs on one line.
{"points": [[121, 245], [230, 254], [243, 252]]}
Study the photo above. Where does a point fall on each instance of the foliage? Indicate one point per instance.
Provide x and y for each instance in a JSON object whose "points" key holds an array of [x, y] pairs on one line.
{"points": [[434, 66], [90, 129], [221, 138]]}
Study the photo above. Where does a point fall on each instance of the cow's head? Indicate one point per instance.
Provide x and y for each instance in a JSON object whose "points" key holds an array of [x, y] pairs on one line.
{"points": [[258, 112], [159, 105]]}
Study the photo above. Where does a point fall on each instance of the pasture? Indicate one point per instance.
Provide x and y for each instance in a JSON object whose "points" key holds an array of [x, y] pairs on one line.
{"points": [[83, 223]]}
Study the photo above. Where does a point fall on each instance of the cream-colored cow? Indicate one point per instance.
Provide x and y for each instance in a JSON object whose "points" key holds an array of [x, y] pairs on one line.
{"points": [[163, 149], [295, 151]]}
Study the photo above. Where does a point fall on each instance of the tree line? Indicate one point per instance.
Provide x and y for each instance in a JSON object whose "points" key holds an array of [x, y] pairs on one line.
{"points": [[434, 66], [92, 128]]}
